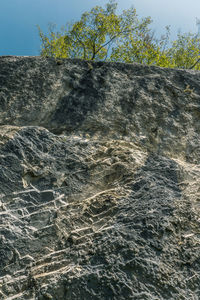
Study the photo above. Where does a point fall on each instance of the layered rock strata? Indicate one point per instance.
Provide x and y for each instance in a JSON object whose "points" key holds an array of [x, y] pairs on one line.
{"points": [[99, 181]]}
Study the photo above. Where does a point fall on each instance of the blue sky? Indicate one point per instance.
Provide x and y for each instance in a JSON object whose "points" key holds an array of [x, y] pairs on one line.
{"points": [[18, 18]]}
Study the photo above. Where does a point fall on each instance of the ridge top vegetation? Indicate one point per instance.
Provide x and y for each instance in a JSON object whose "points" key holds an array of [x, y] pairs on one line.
{"points": [[104, 35]]}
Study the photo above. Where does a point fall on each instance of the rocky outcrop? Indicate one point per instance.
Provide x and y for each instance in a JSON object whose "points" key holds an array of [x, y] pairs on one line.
{"points": [[99, 181]]}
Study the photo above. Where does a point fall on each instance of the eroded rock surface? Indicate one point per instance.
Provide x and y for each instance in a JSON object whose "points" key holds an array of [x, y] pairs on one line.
{"points": [[99, 181]]}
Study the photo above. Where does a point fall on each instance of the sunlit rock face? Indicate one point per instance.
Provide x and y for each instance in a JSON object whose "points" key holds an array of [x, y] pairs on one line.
{"points": [[99, 181]]}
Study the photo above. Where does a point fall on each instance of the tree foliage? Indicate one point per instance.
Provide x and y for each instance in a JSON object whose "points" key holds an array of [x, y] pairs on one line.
{"points": [[102, 34], [95, 35], [185, 51]]}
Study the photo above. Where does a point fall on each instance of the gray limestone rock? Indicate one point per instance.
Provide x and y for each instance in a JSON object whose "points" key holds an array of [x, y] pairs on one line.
{"points": [[99, 181]]}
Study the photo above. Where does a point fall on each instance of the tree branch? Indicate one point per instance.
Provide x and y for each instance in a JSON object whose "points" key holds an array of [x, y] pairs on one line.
{"points": [[198, 60], [83, 45], [115, 36]]}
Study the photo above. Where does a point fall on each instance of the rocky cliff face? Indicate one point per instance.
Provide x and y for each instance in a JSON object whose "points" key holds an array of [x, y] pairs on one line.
{"points": [[99, 181]]}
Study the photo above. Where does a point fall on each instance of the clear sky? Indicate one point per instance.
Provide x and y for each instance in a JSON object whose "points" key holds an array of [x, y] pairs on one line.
{"points": [[18, 18]]}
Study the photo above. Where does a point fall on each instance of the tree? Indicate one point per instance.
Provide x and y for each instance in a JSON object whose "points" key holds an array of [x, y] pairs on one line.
{"points": [[185, 51], [102, 34], [93, 37], [143, 47]]}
